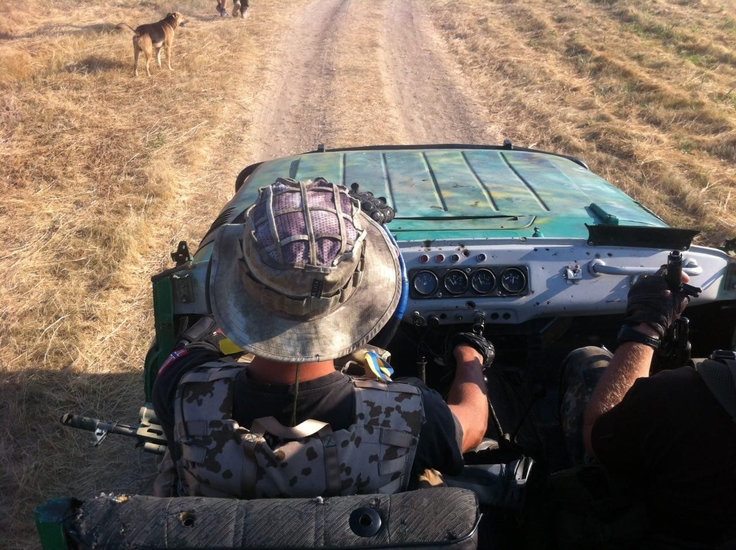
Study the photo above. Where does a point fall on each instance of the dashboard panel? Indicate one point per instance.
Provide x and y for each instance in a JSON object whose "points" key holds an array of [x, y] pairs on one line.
{"points": [[450, 282], [515, 280]]}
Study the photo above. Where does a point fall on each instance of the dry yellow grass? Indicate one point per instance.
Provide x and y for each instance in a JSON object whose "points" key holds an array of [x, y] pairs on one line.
{"points": [[645, 92], [102, 174]]}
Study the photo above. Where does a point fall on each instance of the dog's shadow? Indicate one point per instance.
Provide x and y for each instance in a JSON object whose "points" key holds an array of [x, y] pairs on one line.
{"points": [[96, 64]]}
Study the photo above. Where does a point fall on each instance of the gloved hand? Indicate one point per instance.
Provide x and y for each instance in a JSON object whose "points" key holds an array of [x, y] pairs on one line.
{"points": [[375, 207], [651, 303], [475, 341]]}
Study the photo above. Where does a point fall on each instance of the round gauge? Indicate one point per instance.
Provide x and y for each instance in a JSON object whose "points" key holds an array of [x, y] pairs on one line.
{"points": [[483, 281], [425, 282], [455, 281], [513, 280]]}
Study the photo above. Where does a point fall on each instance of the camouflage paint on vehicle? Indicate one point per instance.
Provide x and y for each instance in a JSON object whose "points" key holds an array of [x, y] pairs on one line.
{"points": [[467, 193]]}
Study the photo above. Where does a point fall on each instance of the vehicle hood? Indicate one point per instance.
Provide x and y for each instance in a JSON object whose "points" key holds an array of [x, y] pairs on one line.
{"points": [[460, 192], [472, 193]]}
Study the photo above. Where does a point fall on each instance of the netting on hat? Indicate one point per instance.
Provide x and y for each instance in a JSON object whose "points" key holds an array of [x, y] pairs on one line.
{"points": [[288, 243]]}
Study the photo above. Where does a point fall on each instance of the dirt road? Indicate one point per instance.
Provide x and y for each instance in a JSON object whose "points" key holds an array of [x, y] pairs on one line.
{"points": [[350, 72]]}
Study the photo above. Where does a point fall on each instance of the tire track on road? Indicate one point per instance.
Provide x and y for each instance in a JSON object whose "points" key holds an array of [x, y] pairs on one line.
{"points": [[293, 115], [430, 94]]}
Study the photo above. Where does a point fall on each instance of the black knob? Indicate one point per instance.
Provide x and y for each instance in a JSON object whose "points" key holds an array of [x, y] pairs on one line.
{"points": [[365, 521]]}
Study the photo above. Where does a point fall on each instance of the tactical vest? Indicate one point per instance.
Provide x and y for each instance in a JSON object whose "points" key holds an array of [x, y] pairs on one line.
{"points": [[220, 458]]}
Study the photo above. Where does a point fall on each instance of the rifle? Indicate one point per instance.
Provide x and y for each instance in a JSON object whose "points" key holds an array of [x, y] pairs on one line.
{"points": [[149, 434], [676, 347]]}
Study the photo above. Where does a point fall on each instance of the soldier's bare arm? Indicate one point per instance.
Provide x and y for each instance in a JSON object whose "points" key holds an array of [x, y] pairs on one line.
{"points": [[467, 398], [631, 361], [651, 308]]}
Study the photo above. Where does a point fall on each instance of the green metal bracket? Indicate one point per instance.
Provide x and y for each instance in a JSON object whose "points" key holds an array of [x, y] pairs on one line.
{"points": [[50, 519], [163, 308]]}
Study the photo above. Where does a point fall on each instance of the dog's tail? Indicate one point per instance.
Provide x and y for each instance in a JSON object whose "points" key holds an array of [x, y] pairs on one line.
{"points": [[123, 26]]}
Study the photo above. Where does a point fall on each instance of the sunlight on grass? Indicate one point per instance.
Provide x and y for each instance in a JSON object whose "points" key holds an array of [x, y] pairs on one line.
{"points": [[635, 97], [102, 174], [95, 168]]}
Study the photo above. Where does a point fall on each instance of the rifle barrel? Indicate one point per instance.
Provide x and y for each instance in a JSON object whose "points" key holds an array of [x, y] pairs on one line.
{"points": [[94, 424]]}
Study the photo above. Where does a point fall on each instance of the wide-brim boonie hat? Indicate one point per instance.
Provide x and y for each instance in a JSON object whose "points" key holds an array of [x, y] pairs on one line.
{"points": [[253, 323]]}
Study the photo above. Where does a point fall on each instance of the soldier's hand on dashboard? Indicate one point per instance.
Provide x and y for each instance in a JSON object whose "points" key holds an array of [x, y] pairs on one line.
{"points": [[650, 302], [475, 341]]}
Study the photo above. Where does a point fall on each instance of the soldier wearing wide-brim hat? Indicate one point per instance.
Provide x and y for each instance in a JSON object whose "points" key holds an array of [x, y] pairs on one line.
{"points": [[306, 279]]}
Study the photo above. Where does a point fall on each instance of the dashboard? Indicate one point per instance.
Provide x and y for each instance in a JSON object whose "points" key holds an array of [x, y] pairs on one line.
{"points": [[513, 281]]}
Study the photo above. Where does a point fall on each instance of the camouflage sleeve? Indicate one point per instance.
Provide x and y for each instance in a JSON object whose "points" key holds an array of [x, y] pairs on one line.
{"points": [[440, 439], [164, 388]]}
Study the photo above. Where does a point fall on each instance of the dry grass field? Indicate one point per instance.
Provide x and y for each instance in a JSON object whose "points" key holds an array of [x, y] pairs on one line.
{"points": [[645, 92], [102, 174]]}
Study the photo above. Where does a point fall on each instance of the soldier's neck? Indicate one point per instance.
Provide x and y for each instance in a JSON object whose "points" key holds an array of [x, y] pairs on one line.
{"points": [[274, 372]]}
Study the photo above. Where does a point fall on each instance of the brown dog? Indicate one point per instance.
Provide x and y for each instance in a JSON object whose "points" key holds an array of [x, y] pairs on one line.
{"points": [[158, 35]]}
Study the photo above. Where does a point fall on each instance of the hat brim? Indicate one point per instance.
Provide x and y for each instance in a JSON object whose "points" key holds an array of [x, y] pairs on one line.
{"points": [[336, 334]]}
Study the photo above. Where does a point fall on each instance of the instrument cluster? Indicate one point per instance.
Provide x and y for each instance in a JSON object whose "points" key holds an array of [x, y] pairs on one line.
{"points": [[454, 282]]}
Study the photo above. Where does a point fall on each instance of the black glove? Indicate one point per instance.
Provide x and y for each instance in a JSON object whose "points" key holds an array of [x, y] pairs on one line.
{"points": [[475, 341], [652, 304], [375, 207]]}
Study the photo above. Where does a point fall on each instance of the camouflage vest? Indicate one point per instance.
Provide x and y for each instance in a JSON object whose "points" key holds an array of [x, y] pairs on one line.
{"points": [[219, 458]]}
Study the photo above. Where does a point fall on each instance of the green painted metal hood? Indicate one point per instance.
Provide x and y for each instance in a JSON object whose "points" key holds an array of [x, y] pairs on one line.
{"points": [[467, 192]]}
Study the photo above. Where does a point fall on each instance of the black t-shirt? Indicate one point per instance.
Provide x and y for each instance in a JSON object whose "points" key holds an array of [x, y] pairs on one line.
{"points": [[329, 399], [670, 431]]}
